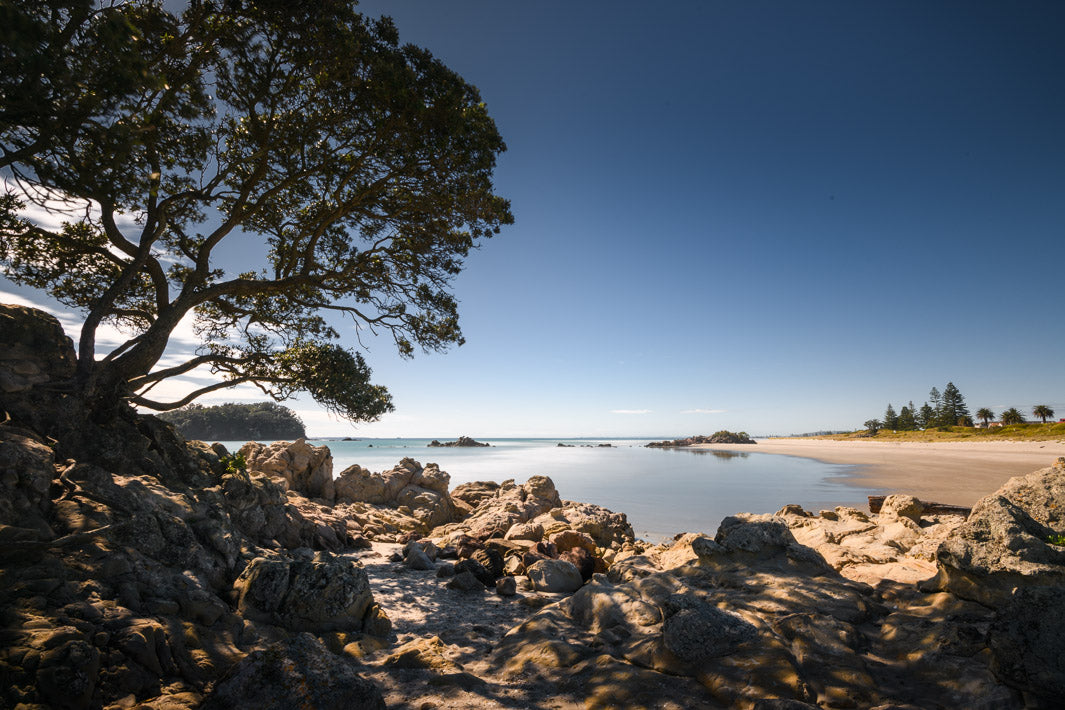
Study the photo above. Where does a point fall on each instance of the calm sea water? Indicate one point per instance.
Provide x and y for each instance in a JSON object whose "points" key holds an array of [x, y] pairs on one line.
{"points": [[663, 491]]}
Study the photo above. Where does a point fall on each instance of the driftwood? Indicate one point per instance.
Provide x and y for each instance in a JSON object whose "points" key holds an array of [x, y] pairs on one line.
{"points": [[877, 502]]}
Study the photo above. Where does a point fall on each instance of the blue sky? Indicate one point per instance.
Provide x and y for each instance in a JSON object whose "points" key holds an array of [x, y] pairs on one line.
{"points": [[775, 217]]}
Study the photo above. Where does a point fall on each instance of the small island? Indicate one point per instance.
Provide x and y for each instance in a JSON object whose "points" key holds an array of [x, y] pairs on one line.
{"points": [[462, 441], [720, 437]]}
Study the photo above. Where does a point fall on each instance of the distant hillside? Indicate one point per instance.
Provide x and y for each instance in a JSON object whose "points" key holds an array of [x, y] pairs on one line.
{"points": [[262, 421]]}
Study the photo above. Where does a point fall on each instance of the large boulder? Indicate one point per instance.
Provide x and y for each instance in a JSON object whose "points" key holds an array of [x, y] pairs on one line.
{"points": [[555, 576], [300, 673], [324, 595], [422, 491], [306, 469], [1010, 540], [605, 527]]}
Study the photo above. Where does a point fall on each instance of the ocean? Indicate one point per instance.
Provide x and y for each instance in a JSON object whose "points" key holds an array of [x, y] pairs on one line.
{"points": [[663, 491]]}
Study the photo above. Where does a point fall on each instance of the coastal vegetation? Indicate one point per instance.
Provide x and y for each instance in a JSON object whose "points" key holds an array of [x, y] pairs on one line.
{"points": [[355, 171], [1029, 431], [260, 421]]}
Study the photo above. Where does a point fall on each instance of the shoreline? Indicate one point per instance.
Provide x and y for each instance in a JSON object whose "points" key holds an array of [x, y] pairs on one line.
{"points": [[952, 472]]}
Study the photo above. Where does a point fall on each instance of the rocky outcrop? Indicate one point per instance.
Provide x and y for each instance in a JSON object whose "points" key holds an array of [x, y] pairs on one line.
{"points": [[34, 349], [1010, 540], [508, 505], [752, 617], [720, 437], [420, 492], [300, 673], [463, 441], [304, 468]]}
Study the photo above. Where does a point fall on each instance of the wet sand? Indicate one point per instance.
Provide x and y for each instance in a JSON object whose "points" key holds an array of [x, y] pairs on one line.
{"points": [[955, 472]]}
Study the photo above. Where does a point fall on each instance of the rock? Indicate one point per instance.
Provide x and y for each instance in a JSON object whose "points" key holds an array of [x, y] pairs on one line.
{"points": [[509, 505], [465, 581], [486, 577], [300, 673], [697, 631], [475, 493], [555, 576], [1027, 640], [34, 349], [1006, 541], [305, 596], [569, 539], [422, 490], [306, 469], [491, 561], [902, 506], [417, 559], [605, 527], [463, 441], [506, 587], [526, 531], [582, 560]]}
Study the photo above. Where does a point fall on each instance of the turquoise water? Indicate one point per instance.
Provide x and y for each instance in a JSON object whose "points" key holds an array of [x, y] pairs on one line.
{"points": [[663, 491]]}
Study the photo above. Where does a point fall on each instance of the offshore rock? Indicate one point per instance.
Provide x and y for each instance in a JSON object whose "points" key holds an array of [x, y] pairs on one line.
{"points": [[463, 441]]}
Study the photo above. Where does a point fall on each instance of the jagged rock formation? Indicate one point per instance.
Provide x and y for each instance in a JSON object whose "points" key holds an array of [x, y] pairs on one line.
{"points": [[464, 441], [720, 437]]}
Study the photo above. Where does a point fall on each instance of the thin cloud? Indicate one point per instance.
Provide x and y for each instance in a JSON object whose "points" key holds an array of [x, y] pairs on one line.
{"points": [[630, 411], [703, 411]]}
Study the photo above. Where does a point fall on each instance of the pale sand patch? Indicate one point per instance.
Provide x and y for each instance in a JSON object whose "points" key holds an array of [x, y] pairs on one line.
{"points": [[955, 472]]}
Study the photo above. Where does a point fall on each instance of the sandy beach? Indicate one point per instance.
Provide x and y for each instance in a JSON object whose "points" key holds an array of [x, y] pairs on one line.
{"points": [[956, 472]]}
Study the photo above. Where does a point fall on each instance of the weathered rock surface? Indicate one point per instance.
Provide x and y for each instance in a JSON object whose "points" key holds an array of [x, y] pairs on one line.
{"points": [[1006, 542], [306, 469], [421, 491], [752, 617], [463, 441], [300, 673]]}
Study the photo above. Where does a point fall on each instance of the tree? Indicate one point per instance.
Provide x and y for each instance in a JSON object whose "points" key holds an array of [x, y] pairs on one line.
{"points": [[952, 409], [1043, 412], [985, 415], [873, 425], [1012, 416], [360, 170], [891, 419], [926, 416], [906, 421]]}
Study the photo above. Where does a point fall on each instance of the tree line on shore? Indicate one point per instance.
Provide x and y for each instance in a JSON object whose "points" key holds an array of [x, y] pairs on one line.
{"points": [[946, 409]]}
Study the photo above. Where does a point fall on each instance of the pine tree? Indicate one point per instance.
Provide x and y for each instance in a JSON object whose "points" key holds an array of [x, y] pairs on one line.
{"points": [[953, 408], [926, 416], [906, 421], [937, 411], [891, 419]]}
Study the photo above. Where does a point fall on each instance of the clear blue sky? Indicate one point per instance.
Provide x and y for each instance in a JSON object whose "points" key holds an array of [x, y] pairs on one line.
{"points": [[775, 217]]}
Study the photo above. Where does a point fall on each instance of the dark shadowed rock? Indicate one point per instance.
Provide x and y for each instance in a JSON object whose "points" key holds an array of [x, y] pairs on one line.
{"points": [[300, 673], [1027, 640]]}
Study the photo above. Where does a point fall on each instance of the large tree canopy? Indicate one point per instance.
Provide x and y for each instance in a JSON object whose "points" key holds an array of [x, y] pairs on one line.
{"points": [[355, 173]]}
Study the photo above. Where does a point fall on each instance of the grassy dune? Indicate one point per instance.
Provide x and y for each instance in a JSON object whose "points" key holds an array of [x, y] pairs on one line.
{"points": [[1051, 431]]}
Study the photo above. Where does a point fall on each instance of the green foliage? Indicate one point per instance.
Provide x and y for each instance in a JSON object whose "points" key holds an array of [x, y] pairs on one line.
{"points": [[1043, 412], [236, 465], [359, 168], [730, 437], [891, 419], [985, 415], [873, 426], [1012, 416], [1056, 539], [261, 421]]}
